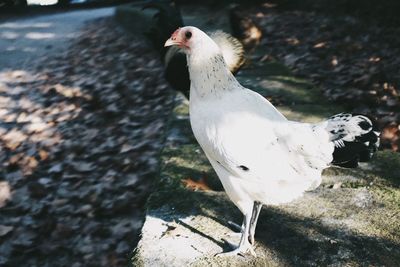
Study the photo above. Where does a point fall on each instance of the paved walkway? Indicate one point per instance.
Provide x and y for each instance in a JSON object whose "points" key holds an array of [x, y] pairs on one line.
{"points": [[25, 40]]}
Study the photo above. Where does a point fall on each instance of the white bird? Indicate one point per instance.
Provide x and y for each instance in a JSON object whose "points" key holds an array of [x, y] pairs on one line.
{"points": [[260, 156]]}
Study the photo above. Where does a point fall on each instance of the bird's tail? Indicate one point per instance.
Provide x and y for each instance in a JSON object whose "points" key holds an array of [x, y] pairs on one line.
{"points": [[232, 49], [356, 139]]}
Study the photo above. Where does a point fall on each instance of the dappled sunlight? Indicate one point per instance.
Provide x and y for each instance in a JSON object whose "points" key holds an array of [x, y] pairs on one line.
{"points": [[334, 61], [80, 132], [5, 193], [28, 121], [16, 76], [374, 59], [40, 35], [23, 25], [29, 49], [293, 41], [25, 40], [70, 91], [13, 138], [320, 45], [9, 35], [272, 84], [255, 33], [42, 2]]}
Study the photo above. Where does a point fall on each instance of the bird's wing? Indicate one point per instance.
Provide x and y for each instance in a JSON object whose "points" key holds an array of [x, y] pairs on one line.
{"points": [[256, 143], [275, 162], [309, 145]]}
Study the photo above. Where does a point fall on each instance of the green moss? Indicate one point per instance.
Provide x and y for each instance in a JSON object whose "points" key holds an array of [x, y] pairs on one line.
{"points": [[182, 110], [386, 165], [266, 69], [137, 261], [274, 80], [308, 112], [183, 162]]}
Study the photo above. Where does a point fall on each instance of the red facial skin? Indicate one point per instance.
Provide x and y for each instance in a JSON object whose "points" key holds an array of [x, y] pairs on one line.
{"points": [[178, 38]]}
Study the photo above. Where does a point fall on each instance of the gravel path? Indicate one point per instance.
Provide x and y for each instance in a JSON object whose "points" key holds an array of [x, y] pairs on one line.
{"points": [[80, 136]]}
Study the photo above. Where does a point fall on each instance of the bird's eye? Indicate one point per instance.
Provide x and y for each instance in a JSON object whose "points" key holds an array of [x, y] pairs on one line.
{"points": [[188, 34]]}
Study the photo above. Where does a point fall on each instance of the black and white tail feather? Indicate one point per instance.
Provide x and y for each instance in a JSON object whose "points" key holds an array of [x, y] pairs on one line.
{"points": [[356, 139]]}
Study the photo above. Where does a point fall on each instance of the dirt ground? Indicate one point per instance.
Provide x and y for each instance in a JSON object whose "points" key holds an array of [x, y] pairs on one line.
{"points": [[80, 137]]}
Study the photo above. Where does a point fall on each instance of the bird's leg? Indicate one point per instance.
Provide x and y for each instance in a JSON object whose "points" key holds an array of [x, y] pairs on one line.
{"points": [[244, 246], [253, 221]]}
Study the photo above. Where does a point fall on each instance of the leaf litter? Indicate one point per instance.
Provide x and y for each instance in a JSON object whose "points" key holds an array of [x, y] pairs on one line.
{"points": [[80, 136]]}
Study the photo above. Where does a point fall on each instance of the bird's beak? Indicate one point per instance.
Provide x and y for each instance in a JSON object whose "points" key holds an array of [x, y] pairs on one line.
{"points": [[174, 39], [171, 42]]}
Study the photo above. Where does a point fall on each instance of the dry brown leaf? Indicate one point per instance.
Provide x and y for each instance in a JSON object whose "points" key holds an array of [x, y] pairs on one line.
{"points": [[43, 154], [194, 185], [4, 229], [5, 193]]}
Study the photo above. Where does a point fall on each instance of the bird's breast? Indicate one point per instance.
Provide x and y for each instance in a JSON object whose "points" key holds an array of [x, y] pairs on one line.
{"points": [[219, 129]]}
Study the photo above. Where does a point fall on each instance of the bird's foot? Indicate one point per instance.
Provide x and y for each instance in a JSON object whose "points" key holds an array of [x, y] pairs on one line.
{"points": [[238, 228], [241, 250]]}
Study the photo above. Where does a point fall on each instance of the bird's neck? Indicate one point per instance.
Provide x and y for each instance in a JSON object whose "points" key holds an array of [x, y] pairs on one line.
{"points": [[210, 76]]}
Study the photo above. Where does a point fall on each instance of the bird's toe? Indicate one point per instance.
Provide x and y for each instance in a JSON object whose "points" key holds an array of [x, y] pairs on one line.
{"points": [[238, 252], [242, 250]]}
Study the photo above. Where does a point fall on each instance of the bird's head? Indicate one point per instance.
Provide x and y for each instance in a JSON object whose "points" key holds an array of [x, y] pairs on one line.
{"points": [[206, 64], [191, 39]]}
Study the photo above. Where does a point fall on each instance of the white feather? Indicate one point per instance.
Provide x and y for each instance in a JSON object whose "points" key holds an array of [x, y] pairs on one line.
{"points": [[237, 127]]}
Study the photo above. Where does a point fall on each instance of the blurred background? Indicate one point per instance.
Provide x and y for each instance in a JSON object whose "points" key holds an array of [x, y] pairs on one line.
{"points": [[86, 90]]}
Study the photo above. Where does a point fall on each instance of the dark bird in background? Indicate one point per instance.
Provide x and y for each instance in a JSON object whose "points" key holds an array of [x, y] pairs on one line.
{"points": [[166, 21], [245, 28]]}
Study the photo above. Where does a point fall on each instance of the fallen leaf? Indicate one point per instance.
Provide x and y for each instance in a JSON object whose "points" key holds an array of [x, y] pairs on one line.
{"points": [[126, 148], [83, 166], [195, 185], [5, 193], [57, 168], [43, 154], [4, 230]]}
